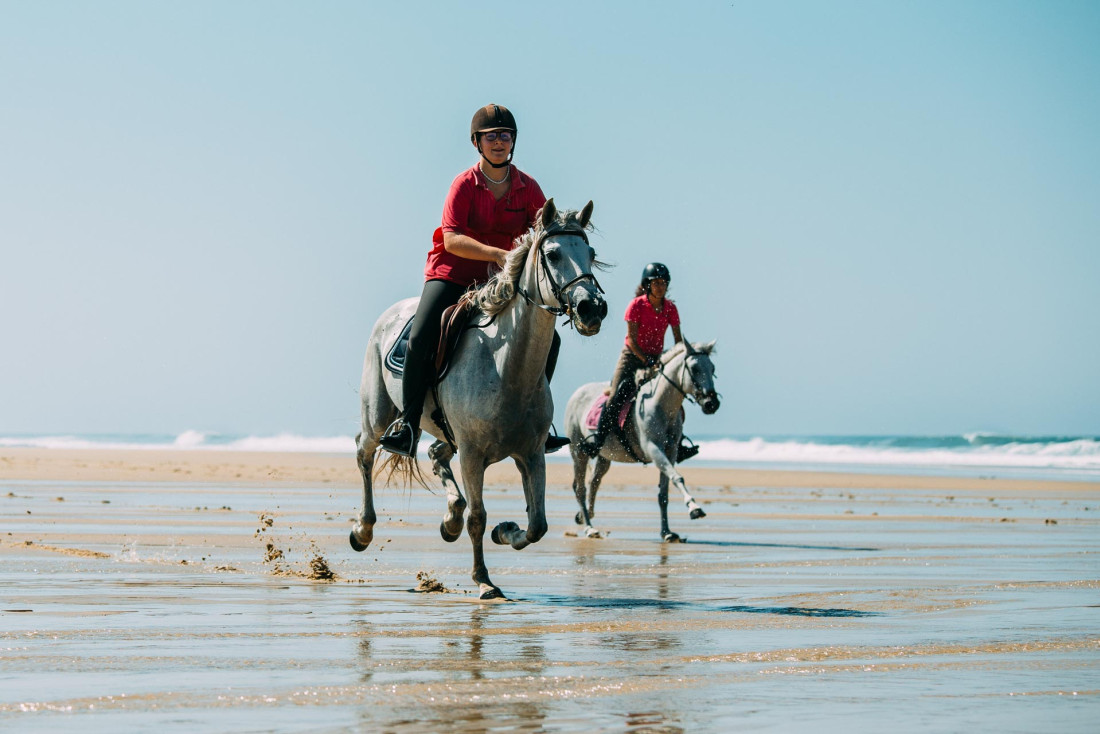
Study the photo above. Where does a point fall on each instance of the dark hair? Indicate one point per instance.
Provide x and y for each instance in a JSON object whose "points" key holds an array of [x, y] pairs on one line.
{"points": [[642, 289]]}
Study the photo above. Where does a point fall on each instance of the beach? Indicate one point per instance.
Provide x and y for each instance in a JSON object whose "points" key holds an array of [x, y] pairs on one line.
{"points": [[216, 591]]}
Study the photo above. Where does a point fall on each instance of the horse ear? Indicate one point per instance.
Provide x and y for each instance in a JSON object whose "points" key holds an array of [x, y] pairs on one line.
{"points": [[585, 215], [687, 347], [709, 347], [549, 212]]}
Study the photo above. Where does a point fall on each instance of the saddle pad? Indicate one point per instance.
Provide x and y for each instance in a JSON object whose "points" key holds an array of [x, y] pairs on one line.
{"points": [[592, 417], [453, 321], [395, 358]]}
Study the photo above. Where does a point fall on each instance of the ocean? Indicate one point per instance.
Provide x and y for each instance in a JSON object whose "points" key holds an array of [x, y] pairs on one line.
{"points": [[972, 454]]}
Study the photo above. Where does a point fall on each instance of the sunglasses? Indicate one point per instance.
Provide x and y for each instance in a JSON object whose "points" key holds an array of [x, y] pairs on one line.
{"points": [[505, 136]]}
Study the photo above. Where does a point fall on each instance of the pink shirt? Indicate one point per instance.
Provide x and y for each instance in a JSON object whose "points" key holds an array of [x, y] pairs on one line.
{"points": [[652, 323], [471, 210]]}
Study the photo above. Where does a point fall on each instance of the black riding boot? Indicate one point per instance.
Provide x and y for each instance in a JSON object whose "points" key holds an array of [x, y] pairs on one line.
{"points": [[404, 433], [553, 440]]}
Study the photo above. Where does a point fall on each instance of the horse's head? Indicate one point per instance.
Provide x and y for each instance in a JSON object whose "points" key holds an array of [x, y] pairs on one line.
{"points": [[563, 259], [700, 370]]}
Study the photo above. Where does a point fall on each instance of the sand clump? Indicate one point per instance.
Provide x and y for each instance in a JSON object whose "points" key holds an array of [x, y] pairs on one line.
{"points": [[274, 556], [427, 583]]}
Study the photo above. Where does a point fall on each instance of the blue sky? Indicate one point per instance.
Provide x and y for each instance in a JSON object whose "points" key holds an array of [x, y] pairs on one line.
{"points": [[886, 213]]}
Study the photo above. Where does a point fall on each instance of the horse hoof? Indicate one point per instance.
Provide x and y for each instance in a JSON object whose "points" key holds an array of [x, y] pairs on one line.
{"points": [[672, 538], [578, 518], [447, 536], [697, 513], [355, 544], [592, 533], [491, 592], [504, 527]]}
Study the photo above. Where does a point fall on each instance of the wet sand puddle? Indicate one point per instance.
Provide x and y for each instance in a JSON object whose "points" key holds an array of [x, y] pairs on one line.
{"points": [[226, 608]]}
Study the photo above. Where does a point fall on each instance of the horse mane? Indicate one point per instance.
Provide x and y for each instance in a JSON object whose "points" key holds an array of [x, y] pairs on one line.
{"points": [[501, 289], [672, 352], [700, 347]]}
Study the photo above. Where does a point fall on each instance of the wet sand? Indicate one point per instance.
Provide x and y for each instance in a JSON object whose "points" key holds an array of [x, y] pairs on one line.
{"points": [[211, 591]]}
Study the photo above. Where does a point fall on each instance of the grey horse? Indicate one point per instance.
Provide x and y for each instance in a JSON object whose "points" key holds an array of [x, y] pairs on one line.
{"points": [[658, 424], [495, 397]]}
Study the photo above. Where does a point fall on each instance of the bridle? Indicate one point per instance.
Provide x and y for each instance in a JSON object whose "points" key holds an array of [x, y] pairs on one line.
{"points": [[558, 291], [676, 384]]}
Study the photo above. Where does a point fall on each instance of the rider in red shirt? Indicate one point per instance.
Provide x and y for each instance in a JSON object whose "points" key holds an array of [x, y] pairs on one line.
{"points": [[487, 208], [648, 317]]}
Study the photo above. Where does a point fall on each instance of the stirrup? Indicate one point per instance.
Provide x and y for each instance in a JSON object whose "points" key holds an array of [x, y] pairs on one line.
{"points": [[399, 439], [554, 441], [685, 452], [591, 446]]}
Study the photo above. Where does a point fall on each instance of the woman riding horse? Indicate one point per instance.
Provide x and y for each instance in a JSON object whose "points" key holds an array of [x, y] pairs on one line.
{"points": [[648, 317], [487, 207]]}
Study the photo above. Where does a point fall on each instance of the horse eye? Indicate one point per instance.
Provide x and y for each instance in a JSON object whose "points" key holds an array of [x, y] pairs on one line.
{"points": [[553, 256]]}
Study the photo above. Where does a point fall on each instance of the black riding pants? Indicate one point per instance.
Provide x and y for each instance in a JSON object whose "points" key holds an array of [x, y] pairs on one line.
{"points": [[424, 340]]}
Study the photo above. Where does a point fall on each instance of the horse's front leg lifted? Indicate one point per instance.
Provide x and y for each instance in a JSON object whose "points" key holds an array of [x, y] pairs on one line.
{"points": [[441, 453], [533, 471], [669, 474]]}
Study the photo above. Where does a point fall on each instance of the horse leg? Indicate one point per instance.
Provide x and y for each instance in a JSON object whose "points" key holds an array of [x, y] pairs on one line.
{"points": [[362, 533], [441, 454], [580, 473], [662, 501], [599, 470], [532, 469], [473, 476], [668, 469]]}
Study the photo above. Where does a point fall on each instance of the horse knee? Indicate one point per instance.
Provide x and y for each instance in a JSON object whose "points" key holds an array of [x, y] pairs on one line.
{"points": [[475, 522]]}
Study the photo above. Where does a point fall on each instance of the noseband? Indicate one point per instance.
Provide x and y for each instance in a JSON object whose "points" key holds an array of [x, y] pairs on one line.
{"points": [[563, 308]]}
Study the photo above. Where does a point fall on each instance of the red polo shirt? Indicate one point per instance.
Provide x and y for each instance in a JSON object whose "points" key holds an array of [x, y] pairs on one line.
{"points": [[652, 323], [470, 209]]}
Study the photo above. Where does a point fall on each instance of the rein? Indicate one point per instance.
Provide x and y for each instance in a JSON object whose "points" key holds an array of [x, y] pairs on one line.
{"points": [[661, 373]]}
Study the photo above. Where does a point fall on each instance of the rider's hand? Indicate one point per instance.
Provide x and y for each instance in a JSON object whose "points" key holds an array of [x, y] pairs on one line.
{"points": [[502, 257], [650, 361]]}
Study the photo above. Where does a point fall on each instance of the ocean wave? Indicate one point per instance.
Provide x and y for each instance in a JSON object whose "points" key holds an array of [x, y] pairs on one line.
{"points": [[1069, 453], [188, 441]]}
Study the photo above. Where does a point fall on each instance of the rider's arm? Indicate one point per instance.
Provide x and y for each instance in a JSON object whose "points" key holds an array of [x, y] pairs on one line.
{"points": [[469, 248], [676, 334]]}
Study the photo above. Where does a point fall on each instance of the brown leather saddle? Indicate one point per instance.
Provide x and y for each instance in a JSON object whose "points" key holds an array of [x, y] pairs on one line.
{"points": [[452, 323]]}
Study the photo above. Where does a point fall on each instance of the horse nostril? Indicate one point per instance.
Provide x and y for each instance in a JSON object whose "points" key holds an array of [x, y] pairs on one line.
{"points": [[590, 310]]}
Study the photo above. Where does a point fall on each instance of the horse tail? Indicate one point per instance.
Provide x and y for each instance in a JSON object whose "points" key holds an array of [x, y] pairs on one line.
{"points": [[405, 468]]}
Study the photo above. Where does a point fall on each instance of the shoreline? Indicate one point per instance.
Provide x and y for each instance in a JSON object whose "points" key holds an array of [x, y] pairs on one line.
{"points": [[298, 468]]}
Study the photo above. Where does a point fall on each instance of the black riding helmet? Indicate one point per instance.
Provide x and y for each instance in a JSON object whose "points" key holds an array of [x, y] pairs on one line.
{"points": [[655, 271], [489, 118]]}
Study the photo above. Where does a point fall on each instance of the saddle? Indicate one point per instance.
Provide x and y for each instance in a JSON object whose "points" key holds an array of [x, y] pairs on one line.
{"points": [[452, 323], [624, 427], [592, 417]]}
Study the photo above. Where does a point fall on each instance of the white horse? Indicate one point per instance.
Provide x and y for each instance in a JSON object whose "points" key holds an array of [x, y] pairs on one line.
{"points": [[655, 430], [495, 398]]}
